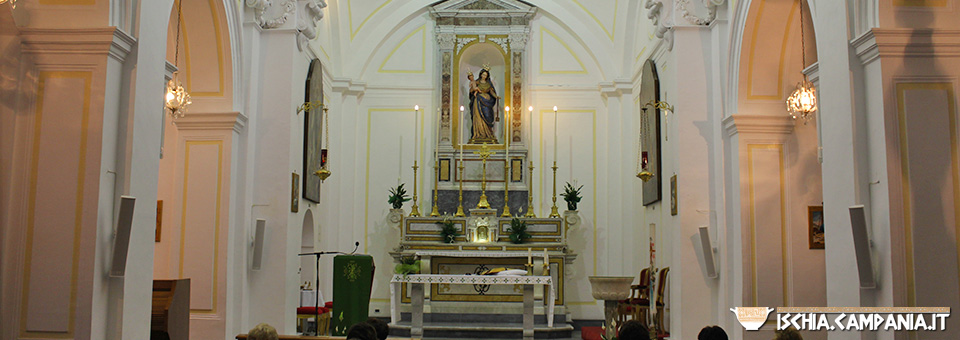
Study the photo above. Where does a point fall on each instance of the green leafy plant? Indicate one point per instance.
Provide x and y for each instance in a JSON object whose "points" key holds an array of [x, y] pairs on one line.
{"points": [[398, 195], [407, 265], [448, 232], [572, 196], [518, 231]]}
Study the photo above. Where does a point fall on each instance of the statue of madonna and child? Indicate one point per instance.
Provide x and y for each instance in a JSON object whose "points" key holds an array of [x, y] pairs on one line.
{"points": [[484, 108]]}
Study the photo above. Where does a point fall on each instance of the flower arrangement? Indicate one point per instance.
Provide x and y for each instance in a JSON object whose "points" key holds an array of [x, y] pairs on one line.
{"points": [[397, 196], [448, 232], [518, 231], [407, 265]]}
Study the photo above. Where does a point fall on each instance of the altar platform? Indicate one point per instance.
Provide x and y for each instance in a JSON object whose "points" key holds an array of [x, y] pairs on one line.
{"points": [[492, 311]]}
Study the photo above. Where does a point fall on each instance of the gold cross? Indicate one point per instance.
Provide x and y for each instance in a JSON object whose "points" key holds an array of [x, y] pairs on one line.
{"points": [[484, 152]]}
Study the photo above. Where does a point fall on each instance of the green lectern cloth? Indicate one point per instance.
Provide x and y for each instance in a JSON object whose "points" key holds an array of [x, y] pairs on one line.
{"points": [[352, 281]]}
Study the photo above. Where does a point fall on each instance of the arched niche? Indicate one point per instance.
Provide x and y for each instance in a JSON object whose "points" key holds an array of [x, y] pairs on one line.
{"points": [[204, 62], [472, 59], [779, 177], [308, 264]]}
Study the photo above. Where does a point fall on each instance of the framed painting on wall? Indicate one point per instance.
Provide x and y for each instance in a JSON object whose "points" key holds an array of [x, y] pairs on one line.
{"points": [[673, 195], [312, 124], [295, 194], [650, 133], [815, 226], [159, 219]]}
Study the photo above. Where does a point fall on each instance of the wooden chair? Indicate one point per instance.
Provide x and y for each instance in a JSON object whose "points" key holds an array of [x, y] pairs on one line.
{"points": [[637, 305], [659, 300], [306, 313]]}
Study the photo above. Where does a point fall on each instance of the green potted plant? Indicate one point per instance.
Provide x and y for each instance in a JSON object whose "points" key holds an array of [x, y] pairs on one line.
{"points": [[572, 196], [518, 231], [397, 196], [448, 232], [408, 265]]}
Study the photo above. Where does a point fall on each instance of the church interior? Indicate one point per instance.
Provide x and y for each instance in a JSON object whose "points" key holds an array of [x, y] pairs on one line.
{"points": [[474, 169]]}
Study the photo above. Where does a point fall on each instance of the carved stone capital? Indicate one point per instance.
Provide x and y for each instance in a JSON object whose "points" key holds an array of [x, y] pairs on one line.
{"points": [[658, 15], [310, 13], [446, 40], [518, 41]]}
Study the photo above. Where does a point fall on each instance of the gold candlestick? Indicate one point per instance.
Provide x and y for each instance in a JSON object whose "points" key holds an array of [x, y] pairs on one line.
{"points": [[415, 210], [506, 189], [436, 182], [530, 213], [484, 153], [460, 179], [554, 212]]}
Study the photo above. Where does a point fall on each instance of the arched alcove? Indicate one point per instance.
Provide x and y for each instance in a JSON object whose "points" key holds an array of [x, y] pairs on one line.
{"points": [[308, 265], [779, 178], [475, 57]]}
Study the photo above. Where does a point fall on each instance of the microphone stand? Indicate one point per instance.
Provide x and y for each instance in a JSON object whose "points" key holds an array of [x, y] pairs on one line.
{"points": [[316, 306]]}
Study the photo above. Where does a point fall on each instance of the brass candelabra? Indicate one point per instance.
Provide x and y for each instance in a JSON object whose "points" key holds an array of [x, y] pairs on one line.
{"points": [[484, 154], [506, 189], [530, 213], [415, 210], [554, 211], [460, 179], [436, 182]]}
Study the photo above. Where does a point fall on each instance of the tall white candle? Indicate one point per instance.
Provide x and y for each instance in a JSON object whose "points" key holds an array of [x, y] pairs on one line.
{"points": [[507, 137], [400, 162], [416, 130], [530, 255], [571, 158], [556, 118], [530, 126], [546, 257]]}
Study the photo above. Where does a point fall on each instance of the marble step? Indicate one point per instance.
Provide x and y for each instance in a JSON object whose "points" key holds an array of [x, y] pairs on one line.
{"points": [[538, 319], [483, 330]]}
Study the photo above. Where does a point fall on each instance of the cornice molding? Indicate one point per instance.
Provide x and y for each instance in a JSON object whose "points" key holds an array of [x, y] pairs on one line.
{"points": [[759, 124], [910, 43], [235, 121], [615, 88], [348, 86], [122, 45], [169, 70], [866, 47], [74, 41], [813, 73]]}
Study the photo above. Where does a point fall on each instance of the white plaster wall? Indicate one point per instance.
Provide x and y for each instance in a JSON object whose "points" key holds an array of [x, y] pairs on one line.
{"points": [[372, 101]]}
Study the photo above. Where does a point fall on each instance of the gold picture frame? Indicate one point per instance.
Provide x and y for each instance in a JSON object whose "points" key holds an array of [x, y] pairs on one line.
{"points": [[815, 227], [673, 195], [159, 219], [295, 194]]}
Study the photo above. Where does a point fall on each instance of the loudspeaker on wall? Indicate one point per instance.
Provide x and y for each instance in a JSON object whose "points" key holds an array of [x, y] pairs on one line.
{"points": [[706, 249], [258, 243], [861, 244], [121, 243]]}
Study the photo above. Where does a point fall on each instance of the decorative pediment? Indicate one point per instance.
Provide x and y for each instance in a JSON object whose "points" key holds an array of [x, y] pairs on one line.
{"points": [[483, 9]]}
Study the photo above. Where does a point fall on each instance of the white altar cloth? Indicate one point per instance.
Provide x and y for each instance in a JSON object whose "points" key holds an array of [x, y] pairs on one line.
{"points": [[469, 253], [419, 280]]}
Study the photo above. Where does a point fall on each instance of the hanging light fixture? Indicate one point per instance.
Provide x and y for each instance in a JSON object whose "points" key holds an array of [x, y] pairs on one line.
{"points": [[177, 98], [324, 172], [13, 3], [803, 101]]}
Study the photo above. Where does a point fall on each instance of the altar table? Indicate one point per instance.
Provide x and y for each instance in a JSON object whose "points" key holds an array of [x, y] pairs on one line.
{"points": [[417, 282]]}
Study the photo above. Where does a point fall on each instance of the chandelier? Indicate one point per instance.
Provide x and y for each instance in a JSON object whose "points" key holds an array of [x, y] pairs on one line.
{"points": [[177, 98], [13, 3], [803, 101]]}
